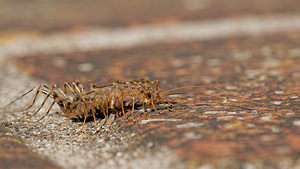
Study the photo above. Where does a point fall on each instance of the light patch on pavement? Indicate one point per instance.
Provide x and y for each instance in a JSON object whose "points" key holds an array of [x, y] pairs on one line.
{"points": [[122, 37]]}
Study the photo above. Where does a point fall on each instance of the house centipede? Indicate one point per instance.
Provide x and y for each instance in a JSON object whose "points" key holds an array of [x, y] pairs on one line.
{"points": [[75, 101]]}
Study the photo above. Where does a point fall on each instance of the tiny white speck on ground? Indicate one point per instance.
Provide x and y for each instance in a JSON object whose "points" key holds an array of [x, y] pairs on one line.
{"points": [[266, 118], [188, 125], [294, 53], [296, 123], [277, 102], [215, 112], [278, 92], [294, 97], [191, 135], [85, 67], [159, 120]]}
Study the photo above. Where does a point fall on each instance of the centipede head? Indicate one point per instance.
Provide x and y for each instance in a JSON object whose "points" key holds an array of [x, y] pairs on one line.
{"points": [[152, 96]]}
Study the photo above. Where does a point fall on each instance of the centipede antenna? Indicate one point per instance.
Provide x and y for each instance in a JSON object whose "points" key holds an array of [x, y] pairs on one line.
{"points": [[185, 87], [178, 93]]}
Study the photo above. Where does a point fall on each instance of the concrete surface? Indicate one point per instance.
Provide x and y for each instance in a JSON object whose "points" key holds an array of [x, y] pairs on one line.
{"points": [[249, 50]]}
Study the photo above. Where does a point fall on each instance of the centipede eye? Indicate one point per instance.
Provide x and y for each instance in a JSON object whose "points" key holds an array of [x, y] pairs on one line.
{"points": [[149, 95]]}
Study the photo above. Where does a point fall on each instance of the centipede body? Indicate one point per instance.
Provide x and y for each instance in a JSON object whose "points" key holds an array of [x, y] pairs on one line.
{"points": [[77, 102]]}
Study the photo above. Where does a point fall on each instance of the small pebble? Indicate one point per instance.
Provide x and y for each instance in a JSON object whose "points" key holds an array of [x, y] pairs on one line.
{"points": [[188, 125], [296, 123]]}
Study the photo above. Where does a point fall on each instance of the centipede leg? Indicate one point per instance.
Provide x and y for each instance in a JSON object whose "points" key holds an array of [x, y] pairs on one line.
{"points": [[92, 84], [34, 99], [152, 102], [64, 124], [122, 104], [85, 117], [28, 117], [105, 112], [18, 98], [64, 94], [75, 88], [79, 84], [67, 85], [107, 117], [95, 122], [133, 102], [144, 108], [44, 115]]}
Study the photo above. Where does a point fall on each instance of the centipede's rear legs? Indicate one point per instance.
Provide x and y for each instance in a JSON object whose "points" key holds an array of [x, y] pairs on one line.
{"points": [[50, 94], [44, 115], [34, 99]]}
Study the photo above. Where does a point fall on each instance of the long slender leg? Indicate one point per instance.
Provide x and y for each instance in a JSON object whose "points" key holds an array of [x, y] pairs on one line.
{"points": [[144, 108], [85, 116], [60, 91], [92, 84], [43, 116], [34, 99], [122, 104], [152, 102], [28, 117], [107, 117], [95, 122], [67, 85], [79, 84], [133, 102], [105, 107], [76, 88], [64, 124]]}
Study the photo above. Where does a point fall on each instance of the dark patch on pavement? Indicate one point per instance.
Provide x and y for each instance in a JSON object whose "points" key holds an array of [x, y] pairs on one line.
{"points": [[14, 154]]}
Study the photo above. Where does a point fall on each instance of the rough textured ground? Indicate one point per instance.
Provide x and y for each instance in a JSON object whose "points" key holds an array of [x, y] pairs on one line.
{"points": [[246, 56]]}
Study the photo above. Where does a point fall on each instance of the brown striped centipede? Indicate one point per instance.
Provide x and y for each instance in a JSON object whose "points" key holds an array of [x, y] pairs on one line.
{"points": [[75, 101]]}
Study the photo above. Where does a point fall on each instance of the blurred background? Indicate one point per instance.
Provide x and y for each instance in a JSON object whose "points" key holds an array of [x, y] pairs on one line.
{"points": [[109, 40], [248, 48], [67, 15]]}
